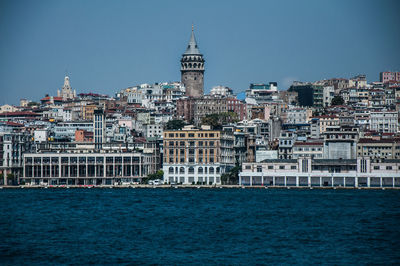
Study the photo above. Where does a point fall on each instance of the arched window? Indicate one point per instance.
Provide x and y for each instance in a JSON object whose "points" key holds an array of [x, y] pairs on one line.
{"points": [[217, 170], [185, 65], [211, 170], [191, 170], [194, 65], [181, 170], [200, 170], [190, 65], [171, 170]]}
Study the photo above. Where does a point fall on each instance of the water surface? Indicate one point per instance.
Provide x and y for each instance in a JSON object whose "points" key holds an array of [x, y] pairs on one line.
{"points": [[199, 226]]}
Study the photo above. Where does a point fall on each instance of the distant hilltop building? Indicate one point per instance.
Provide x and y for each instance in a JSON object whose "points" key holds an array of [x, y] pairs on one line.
{"points": [[221, 91], [389, 76], [192, 69], [66, 91]]}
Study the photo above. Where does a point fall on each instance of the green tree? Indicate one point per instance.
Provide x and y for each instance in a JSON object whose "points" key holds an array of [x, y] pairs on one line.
{"points": [[11, 179], [231, 177], [158, 175], [175, 124], [216, 121], [337, 100]]}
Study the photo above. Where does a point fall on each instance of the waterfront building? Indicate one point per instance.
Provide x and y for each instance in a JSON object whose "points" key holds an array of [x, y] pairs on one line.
{"points": [[192, 69], [307, 172], [85, 168], [197, 156], [13, 145]]}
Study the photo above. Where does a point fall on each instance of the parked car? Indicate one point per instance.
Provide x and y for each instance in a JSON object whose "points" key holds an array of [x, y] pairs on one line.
{"points": [[156, 182]]}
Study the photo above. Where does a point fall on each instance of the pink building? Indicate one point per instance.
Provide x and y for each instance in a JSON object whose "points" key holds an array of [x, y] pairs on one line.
{"points": [[389, 76]]}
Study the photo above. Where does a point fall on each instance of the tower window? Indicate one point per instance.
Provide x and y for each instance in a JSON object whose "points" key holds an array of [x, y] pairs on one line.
{"points": [[195, 78]]}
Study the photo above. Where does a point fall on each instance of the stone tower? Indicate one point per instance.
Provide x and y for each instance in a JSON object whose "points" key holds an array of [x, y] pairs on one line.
{"points": [[192, 69]]}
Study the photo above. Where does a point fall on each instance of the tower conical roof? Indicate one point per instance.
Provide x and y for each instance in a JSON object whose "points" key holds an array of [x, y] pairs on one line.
{"points": [[192, 48], [66, 82]]}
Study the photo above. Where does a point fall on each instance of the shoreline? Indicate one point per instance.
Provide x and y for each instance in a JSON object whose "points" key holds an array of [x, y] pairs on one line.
{"points": [[143, 186]]}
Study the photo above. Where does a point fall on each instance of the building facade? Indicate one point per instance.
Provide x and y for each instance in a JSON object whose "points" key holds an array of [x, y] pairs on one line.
{"points": [[307, 172], [88, 168], [193, 156]]}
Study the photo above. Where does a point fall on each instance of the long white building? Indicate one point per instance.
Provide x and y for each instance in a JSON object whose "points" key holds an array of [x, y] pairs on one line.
{"points": [[101, 168], [322, 172]]}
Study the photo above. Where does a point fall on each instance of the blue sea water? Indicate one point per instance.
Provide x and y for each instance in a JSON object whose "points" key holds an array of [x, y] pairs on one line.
{"points": [[199, 226]]}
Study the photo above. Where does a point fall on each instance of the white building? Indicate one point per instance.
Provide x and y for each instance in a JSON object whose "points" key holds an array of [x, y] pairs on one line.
{"points": [[307, 172], [221, 91], [153, 130], [384, 122], [40, 135]]}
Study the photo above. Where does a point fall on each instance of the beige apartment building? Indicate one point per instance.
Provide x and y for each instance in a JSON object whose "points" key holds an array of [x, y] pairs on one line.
{"points": [[197, 156]]}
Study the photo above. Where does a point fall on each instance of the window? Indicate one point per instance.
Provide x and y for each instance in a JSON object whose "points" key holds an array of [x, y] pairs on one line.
{"points": [[171, 170], [247, 167], [293, 167], [200, 170], [376, 167], [389, 167], [281, 167], [191, 135], [191, 170], [270, 167], [259, 169], [211, 171]]}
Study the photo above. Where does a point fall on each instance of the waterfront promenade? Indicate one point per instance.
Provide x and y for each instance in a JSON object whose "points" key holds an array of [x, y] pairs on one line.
{"points": [[144, 186]]}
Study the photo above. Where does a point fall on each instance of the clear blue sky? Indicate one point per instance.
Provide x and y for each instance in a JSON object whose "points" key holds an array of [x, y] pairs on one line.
{"points": [[109, 45]]}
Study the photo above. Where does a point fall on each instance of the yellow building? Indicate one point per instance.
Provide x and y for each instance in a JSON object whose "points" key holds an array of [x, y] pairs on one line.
{"points": [[197, 156]]}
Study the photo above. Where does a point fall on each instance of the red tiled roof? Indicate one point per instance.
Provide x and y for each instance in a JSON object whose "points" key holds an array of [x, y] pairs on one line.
{"points": [[48, 98], [23, 113], [367, 140], [14, 124]]}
